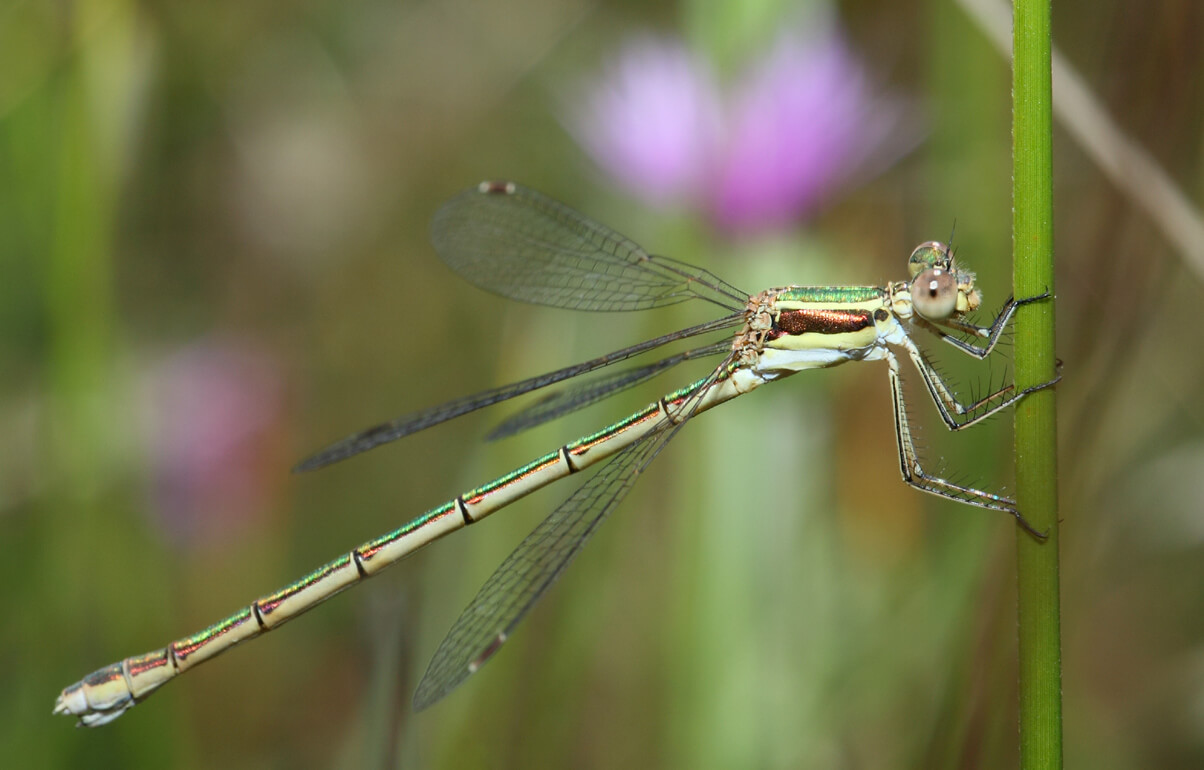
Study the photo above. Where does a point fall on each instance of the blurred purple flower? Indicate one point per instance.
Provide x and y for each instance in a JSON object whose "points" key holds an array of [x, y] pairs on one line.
{"points": [[798, 125], [214, 421], [653, 119]]}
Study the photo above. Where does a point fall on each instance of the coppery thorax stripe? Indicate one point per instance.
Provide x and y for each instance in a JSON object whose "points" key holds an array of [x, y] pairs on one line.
{"points": [[820, 321]]}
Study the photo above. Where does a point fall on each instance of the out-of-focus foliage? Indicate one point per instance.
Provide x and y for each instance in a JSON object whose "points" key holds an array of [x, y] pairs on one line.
{"points": [[213, 259]]}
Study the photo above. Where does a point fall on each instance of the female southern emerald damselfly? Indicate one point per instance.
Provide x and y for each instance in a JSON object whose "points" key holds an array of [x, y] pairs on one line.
{"points": [[522, 245]]}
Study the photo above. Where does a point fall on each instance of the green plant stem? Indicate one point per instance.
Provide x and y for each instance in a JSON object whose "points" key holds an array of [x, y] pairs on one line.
{"points": [[1038, 608]]}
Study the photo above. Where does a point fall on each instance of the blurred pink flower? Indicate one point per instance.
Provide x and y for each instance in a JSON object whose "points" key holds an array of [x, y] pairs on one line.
{"points": [[215, 414], [796, 126]]}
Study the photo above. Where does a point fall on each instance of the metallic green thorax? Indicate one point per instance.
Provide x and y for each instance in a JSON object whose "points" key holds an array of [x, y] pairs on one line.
{"points": [[823, 325], [840, 294]]}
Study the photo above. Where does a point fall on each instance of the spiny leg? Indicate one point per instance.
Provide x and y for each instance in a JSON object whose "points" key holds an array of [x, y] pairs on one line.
{"points": [[990, 333], [955, 414], [914, 475]]}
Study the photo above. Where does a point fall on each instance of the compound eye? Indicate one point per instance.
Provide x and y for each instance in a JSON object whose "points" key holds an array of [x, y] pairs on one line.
{"points": [[928, 255], [934, 293]]}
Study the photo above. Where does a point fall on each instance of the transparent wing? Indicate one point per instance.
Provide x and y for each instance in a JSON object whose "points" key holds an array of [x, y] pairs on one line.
{"points": [[412, 423], [539, 560], [518, 243], [576, 397]]}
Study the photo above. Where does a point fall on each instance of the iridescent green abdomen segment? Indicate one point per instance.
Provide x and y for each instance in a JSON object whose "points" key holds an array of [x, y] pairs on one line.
{"points": [[105, 694]]}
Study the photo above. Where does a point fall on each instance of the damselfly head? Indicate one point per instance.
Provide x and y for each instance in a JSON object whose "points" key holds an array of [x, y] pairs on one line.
{"points": [[938, 288]]}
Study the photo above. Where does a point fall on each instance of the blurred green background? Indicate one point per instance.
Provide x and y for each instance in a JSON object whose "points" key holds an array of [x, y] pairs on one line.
{"points": [[213, 260]]}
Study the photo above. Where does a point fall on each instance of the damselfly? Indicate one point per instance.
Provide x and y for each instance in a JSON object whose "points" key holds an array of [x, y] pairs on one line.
{"points": [[522, 245]]}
